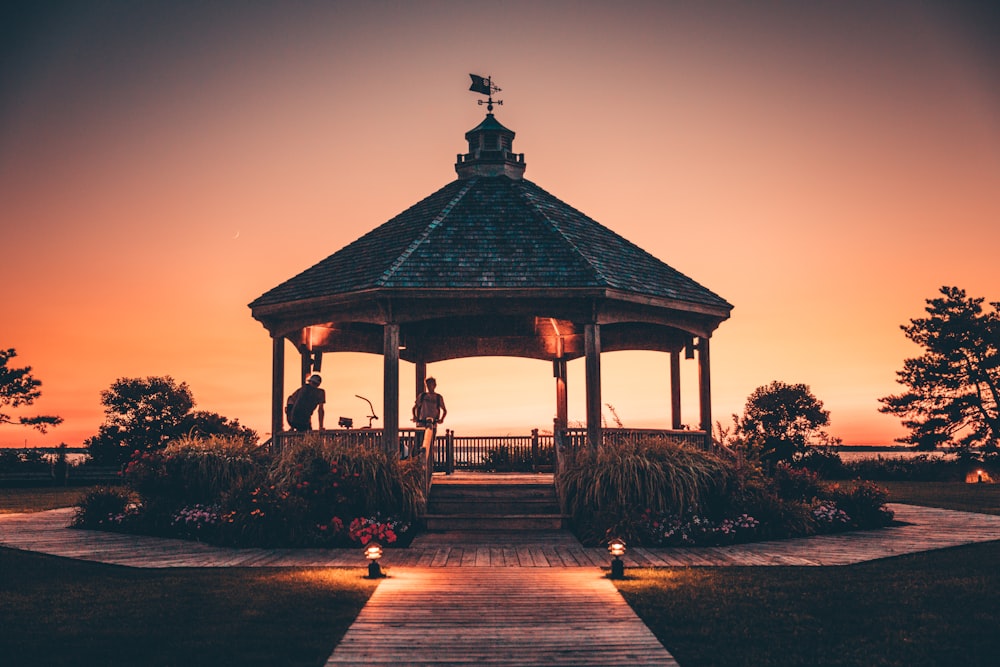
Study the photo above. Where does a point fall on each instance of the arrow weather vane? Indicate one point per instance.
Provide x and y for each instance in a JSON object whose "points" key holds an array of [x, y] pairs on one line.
{"points": [[484, 86]]}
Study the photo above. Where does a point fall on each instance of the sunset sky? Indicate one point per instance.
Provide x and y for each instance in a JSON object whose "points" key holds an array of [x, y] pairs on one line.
{"points": [[823, 166]]}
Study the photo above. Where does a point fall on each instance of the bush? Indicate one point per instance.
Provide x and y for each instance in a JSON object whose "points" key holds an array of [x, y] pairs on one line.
{"points": [[602, 492], [922, 468], [108, 508], [823, 461], [864, 503], [732, 502], [520, 460], [222, 490], [795, 483]]}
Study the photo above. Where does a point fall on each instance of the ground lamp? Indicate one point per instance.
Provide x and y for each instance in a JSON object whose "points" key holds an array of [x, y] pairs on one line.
{"points": [[373, 552], [616, 548]]}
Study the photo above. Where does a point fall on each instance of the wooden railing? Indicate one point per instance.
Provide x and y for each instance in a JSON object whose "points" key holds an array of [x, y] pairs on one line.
{"points": [[500, 453], [449, 452]]}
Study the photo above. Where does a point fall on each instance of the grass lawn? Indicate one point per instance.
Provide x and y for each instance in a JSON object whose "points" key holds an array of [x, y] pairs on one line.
{"points": [[949, 495], [39, 498], [58, 611], [933, 608]]}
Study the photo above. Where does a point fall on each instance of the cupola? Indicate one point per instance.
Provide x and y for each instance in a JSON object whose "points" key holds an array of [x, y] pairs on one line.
{"points": [[490, 152]]}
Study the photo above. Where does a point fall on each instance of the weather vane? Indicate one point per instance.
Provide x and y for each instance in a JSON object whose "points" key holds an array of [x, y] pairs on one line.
{"points": [[484, 86]]}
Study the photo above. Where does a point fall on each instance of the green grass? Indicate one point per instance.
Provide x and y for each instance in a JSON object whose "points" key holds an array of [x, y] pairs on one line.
{"points": [[58, 611], [983, 498], [934, 608], [39, 498]]}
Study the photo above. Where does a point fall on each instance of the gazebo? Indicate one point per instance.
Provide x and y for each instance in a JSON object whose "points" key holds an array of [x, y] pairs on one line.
{"points": [[492, 265]]}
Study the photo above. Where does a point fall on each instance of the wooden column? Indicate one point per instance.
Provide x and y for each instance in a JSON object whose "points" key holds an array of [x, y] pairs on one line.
{"points": [[306, 365], [592, 347], [704, 385], [277, 387], [562, 402], [421, 377], [390, 389], [675, 389]]}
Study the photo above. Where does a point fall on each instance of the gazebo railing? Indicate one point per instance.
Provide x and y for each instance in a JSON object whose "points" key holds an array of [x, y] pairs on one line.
{"points": [[362, 437], [449, 452], [495, 453]]}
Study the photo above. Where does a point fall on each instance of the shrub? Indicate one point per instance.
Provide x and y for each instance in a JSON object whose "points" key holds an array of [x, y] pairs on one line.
{"points": [[922, 468], [602, 491], [108, 508], [224, 490], [795, 483], [864, 503], [823, 461], [520, 460]]}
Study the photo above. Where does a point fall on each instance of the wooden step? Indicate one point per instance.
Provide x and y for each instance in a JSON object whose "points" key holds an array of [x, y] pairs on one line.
{"points": [[493, 522], [463, 506], [498, 504]]}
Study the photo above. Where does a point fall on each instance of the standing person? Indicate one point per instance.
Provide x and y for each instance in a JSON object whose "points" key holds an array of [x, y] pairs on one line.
{"points": [[429, 410], [303, 401]]}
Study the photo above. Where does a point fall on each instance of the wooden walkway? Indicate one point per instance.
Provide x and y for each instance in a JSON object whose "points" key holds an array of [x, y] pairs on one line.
{"points": [[926, 529], [498, 616]]}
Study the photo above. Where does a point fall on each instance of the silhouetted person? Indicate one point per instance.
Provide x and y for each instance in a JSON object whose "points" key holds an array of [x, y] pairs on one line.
{"points": [[303, 401], [429, 410]]}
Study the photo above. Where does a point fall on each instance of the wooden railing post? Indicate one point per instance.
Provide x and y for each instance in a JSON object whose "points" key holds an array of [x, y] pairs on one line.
{"points": [[534, 450], [449, 451]]}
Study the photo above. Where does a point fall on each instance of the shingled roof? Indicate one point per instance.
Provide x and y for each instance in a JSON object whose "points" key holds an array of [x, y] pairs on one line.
{"points": [[491, 232]]}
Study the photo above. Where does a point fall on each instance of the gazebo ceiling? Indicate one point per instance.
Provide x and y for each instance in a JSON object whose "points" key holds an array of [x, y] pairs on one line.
{"points": [[490, 264]]}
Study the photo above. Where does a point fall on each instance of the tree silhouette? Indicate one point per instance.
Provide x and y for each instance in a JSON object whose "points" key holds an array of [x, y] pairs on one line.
{"points": [[953, 388], [780, 420], [142, 414], [18, 387]]}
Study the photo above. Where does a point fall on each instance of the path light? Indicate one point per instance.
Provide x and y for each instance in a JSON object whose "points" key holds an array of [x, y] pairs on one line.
{"points": [[373, 552], [616, 548]]}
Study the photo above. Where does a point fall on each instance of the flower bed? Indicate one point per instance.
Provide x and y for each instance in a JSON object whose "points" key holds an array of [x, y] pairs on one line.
{"points": [[661, 493], [315, 493]]}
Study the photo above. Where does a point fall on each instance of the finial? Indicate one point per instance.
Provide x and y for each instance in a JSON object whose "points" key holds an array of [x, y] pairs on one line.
{"points": [[484, 86]]}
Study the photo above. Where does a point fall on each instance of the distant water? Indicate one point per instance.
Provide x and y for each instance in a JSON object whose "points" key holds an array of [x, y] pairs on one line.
{"points": [[859, 454]]}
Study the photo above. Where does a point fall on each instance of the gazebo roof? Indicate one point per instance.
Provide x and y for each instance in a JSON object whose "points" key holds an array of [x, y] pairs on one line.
{"points": [[490, 264], [493, 233]]}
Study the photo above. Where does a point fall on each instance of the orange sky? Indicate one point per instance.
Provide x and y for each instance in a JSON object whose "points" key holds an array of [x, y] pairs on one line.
{"points": [[824, 169]]}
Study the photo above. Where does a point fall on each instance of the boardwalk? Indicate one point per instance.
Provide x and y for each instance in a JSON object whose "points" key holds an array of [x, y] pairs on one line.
{"points": [[498, 616], [925, 529]]}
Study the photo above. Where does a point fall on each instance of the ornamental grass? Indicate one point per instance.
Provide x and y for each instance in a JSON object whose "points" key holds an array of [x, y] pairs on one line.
{"points": [[600, 490]]}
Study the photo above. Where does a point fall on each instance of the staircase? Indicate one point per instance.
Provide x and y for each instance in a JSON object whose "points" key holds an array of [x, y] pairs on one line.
{"points": [[493, 503]]}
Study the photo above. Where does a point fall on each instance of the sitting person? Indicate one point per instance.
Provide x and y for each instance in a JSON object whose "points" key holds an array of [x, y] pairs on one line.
{"points": [[303, 402]]}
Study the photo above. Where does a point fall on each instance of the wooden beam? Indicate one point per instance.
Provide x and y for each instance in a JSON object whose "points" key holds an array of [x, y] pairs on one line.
{"points": [[675, 389], [390, 389], [277, 386], [592, 344]]}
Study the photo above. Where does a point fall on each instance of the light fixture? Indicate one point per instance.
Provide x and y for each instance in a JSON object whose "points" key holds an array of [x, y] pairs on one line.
{"points": [[616, 547], [373, 552]]}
